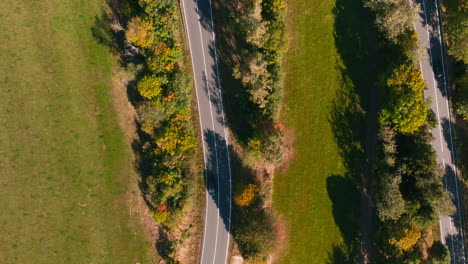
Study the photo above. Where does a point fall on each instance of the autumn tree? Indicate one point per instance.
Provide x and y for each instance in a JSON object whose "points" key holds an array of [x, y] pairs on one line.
{"points": [[150, 116], [406, 109], [176, 138], [246, 196], [388, 145], [405, 239], [149, 87], [273, 148], [394, 17], [140, 32], [164, 58]]}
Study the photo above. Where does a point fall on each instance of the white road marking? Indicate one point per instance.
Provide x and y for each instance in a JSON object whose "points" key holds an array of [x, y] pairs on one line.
{"points": [[440, 227], [444, 71], [201, 126], [199, 119], [225, 134], [218, 83], [450, 127], [433, 80], [212, 125]]}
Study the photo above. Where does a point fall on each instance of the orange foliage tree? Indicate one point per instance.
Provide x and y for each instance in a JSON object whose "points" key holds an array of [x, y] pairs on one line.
{"points": [[140, 32], [247, 195], [177, 137], [405, 239], [149, 87]]}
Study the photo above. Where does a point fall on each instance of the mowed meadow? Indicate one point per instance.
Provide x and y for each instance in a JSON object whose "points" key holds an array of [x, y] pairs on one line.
{"points": [[68, 192], [329, 75]]}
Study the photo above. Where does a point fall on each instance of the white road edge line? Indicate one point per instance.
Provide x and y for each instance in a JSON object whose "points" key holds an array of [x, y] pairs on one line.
{"points": [[199, 119], [450, 126], [437, 107], [433, 79], [218, 83], [212, 126]]}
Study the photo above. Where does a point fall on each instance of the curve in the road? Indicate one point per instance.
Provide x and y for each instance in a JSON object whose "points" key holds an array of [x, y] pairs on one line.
{"points": [[199, 28]]}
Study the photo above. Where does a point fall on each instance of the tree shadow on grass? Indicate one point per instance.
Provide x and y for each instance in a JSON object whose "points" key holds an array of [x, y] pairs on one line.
{"points": [[108, 30], [345, 198], [353, 118]]}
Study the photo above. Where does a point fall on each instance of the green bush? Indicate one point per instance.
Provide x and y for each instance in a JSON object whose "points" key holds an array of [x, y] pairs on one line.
{"points": [[405, 108], [438, 254], [149, 87]]}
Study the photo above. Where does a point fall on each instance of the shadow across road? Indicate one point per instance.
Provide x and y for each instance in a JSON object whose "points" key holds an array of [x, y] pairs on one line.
{"points": [[250, 226], [429, 19]]}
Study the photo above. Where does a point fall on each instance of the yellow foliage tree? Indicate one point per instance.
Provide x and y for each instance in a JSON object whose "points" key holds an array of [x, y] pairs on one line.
{"points": [[406, 108], [176, 138], [149, 87], [164, 58], [406, 239], [140, 32], [247, 195]]}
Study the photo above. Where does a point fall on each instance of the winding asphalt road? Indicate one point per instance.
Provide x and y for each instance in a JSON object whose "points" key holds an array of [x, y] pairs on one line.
{"points": [[200, 34], [434, 72]]}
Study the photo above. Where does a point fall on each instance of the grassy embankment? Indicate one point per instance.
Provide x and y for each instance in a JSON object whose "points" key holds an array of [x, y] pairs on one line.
{"points": [[330, 70], [67, 186]]}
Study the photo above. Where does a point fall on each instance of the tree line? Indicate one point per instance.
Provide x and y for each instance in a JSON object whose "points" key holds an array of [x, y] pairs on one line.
{"points": [[259, 29], [164, 113], [408, 191]]}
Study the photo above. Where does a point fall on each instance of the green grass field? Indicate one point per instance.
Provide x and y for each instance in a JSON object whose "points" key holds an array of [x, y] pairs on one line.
{"points": [[329, 70], [66, 177]]}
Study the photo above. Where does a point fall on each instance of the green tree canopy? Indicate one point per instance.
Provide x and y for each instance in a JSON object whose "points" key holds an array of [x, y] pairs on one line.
{"points": [[253, 73], [389, 201], [457, 29], [149, 87], [406, 109], [140, 32], [394, 17]]}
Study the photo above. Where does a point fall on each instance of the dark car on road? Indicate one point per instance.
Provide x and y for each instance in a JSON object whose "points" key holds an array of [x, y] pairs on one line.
{"points": [[211, 187], [437, 69]]}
